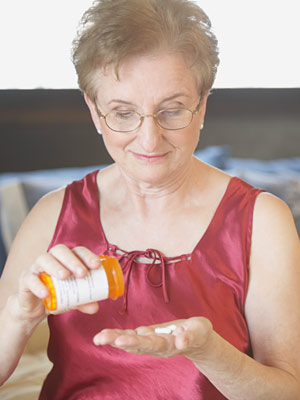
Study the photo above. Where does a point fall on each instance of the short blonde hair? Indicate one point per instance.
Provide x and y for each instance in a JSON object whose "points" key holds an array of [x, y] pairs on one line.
{"points": [[113, 30]]}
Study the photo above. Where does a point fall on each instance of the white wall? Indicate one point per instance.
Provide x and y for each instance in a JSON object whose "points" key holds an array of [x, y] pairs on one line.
{"points": [[258, 40]]}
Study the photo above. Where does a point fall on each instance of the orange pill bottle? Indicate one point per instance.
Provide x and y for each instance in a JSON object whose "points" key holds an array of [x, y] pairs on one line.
{"points": [[99, 284]]}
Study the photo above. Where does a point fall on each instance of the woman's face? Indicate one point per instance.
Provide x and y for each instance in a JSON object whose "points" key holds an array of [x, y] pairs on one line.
{"points": [[148, 84]]}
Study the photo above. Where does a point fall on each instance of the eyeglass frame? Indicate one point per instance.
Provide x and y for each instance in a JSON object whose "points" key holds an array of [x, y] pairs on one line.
{"points": [[143, 116]]}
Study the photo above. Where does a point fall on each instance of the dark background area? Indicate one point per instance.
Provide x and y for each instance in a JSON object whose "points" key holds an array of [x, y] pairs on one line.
{"points": [[42, 129]]}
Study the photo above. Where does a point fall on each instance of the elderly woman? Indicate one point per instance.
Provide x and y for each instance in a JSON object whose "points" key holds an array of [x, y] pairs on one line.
{"points": [[211, 264]]}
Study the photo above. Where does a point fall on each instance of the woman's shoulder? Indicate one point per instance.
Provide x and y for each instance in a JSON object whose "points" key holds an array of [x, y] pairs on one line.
{"points": [[53, 198], [42, 218], [33, 237], [109, 181], [49, 204], [272, 213], [44, 214], [210, 179]]}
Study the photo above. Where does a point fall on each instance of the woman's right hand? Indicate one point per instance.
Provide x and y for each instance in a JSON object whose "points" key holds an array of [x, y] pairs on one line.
{"points": [[62, 263]]}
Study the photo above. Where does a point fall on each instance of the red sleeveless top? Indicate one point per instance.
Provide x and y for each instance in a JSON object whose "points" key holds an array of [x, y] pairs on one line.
{"points": [[211, 282]]}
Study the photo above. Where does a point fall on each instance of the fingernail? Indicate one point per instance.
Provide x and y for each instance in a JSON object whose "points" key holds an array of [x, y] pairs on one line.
{"points": [[61, 273], [97, 341], [79, 270], [95, 262]]}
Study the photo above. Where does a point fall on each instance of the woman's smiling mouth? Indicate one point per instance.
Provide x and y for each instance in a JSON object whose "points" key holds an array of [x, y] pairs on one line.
{"points": [[150, 158]]}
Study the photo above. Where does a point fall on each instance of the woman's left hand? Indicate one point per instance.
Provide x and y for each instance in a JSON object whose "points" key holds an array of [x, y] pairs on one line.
{"points": [[187, 337]]}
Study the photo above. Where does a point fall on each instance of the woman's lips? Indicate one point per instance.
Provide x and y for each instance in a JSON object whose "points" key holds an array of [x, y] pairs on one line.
{"points": [[150, 158]]}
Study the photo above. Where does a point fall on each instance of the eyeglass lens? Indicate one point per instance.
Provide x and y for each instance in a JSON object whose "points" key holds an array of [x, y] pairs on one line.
{"points": [[126, 121]]}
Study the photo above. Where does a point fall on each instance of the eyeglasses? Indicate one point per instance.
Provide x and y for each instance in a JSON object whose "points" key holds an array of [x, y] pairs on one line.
{"points": [[128, 121]]}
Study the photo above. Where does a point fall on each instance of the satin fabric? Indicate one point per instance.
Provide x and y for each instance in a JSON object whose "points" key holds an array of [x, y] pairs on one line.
{"points": [[211, 282]]}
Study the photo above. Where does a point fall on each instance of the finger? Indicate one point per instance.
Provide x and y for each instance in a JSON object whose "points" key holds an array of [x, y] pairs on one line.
{"points": [[30, 282], [30, 295], [182, 341], [87, 257], [90, 308], [68, 259], [156, 345], [125, 341], [109, 336], [194, 333], [145, 330], [48, 263]]}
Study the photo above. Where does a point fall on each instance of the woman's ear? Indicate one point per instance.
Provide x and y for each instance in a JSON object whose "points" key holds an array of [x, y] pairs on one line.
{"points": [[94, 114], [202, 109]]}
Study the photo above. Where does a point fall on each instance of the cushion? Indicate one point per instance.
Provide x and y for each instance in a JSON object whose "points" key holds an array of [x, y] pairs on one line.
{"points": [[217, 156], [26, 381], [13, 210], [270, 166], [284, 184]]}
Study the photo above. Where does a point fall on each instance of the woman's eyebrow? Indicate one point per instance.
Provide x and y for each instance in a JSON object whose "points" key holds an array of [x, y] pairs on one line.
{"points": [[174, 96], [169, 98], [120, 101]]}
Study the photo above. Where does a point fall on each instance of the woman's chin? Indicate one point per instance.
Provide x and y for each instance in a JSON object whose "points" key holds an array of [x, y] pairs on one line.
{"points": [[156, 175]]}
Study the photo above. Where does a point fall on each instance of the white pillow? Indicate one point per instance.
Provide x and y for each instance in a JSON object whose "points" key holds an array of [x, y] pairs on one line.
{"points": [[13, 211]]}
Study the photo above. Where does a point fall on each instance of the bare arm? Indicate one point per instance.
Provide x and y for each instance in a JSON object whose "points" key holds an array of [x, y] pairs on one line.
{"points": [[272, 312], [17, 324], [21, 291]]}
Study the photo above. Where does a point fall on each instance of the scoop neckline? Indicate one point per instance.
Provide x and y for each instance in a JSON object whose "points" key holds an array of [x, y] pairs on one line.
{"points": [[180, 257]]}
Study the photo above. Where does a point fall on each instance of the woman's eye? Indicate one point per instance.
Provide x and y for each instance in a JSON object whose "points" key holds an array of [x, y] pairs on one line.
{"points": [[174, 112], [124, 114]]}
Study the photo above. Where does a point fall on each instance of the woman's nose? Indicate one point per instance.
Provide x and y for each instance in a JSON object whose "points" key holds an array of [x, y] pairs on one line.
{"points": [[149, 134]]}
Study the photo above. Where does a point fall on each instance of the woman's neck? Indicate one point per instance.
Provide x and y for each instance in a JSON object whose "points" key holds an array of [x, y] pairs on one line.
{"points": [[148, 198]]}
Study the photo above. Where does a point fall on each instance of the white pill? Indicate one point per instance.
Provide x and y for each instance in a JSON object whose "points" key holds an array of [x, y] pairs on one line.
{"points": [[166, 329]]}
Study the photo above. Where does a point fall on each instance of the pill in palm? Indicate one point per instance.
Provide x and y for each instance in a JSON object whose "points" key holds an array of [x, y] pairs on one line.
{"points": [[165, 329]]}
